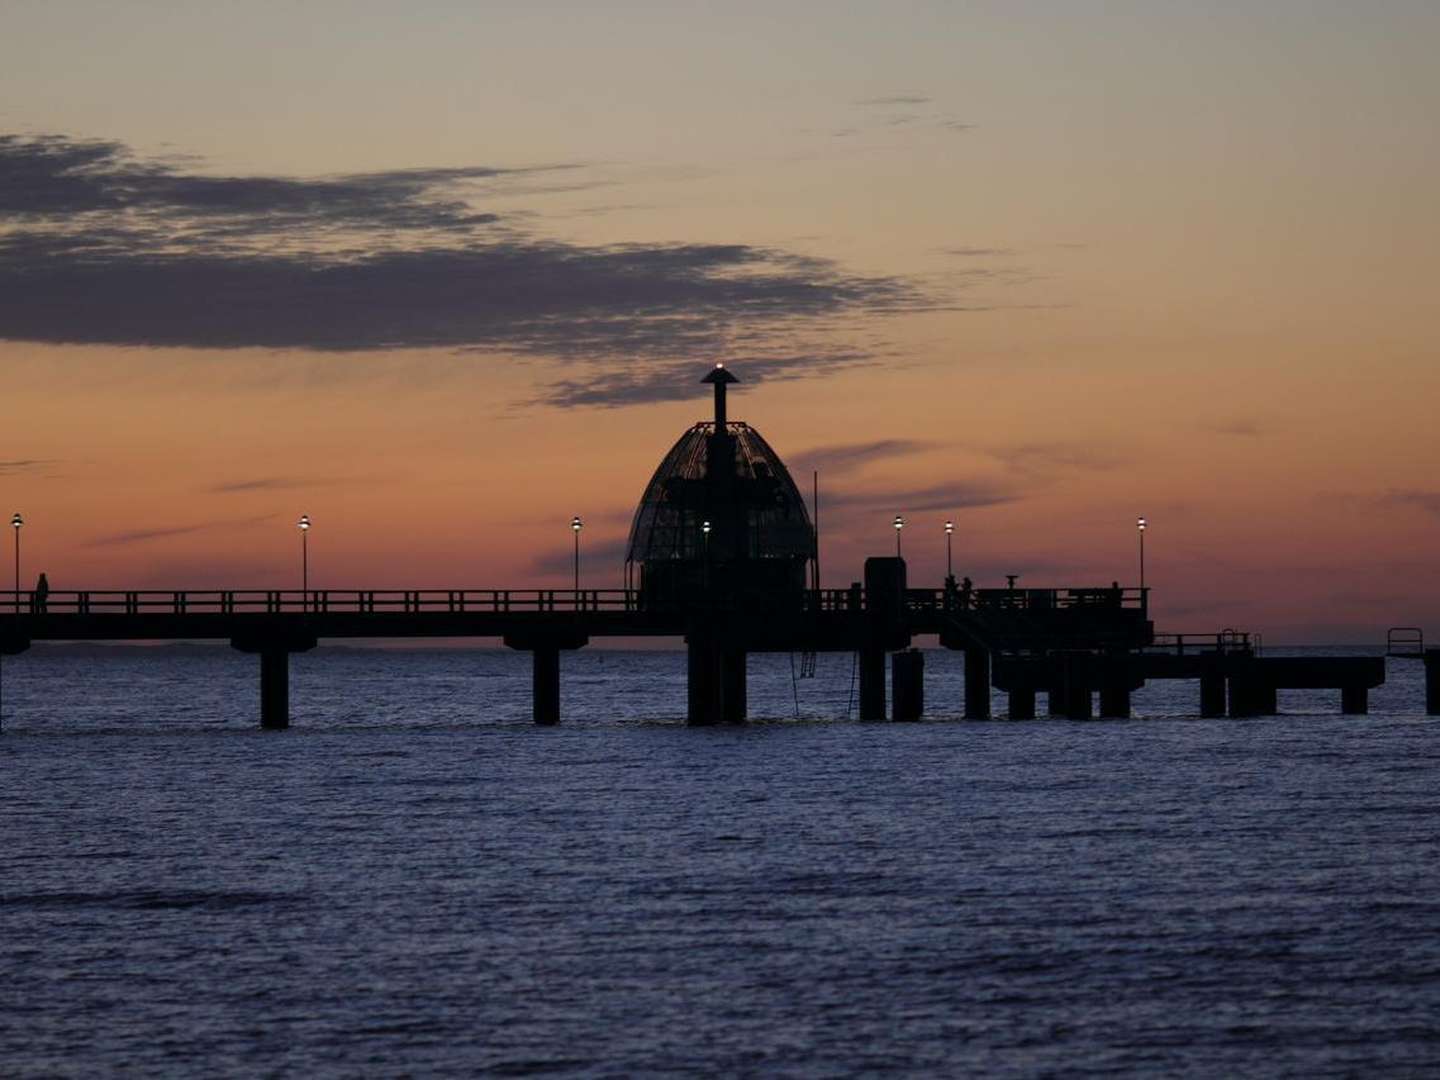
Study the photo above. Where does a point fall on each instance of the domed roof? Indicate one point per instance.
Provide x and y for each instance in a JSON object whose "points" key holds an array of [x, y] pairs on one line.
{"points": [[755, 512]]}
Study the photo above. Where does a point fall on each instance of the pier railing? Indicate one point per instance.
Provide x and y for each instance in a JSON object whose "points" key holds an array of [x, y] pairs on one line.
{"points": [[1225, 642], [491, 601], [323, 601]]}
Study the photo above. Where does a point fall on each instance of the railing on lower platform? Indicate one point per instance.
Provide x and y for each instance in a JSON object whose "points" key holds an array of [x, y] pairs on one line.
{"points": [[1224, 642], [1405, 642]]}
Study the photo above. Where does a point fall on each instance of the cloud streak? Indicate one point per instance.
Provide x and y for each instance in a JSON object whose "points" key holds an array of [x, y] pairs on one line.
{"points": [[99, 247]]}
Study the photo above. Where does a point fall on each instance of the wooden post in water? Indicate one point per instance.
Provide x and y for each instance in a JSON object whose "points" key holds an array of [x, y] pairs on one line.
{"points": [[1212, 690]]}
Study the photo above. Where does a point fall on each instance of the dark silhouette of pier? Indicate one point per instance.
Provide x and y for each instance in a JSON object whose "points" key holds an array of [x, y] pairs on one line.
{"points": [[723, 553]]}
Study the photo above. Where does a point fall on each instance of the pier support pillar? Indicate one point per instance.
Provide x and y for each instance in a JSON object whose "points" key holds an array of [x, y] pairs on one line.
{"points": [[1055, 690], [702, 682], [732, 686], [1022, 703], [545, 648], [1432, 682], [872, 683], [274, 647], [716, 689], [977, 684], [274, 689], [1251, 697], [545, 687], [907, 682], [1078, 703], [1354, 700], [1115, 693], [1212, 693]]}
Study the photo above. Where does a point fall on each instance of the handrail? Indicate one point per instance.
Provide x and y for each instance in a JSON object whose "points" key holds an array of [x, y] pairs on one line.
{"points": [[1223, 641], [1405, 642], [181, 602], [315, 601]]}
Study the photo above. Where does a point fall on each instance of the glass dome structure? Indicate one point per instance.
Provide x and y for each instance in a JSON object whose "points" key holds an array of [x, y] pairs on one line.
{"points": [[721, 515]]}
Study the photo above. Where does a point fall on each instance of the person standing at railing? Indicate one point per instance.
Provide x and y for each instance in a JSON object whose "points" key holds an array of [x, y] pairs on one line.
{"points": [[967, 589], [1116, 596], [39, 600]]}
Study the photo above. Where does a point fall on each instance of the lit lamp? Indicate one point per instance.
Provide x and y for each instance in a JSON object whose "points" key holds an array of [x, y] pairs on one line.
{"points": [[1140, 528], [899, 524], [15, 523], [304, 524], [949, 562], [575, 526]]}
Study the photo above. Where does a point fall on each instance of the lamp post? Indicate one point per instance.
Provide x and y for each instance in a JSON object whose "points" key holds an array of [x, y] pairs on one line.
{"points": [[575, 526], [705, 560], [899, 524], [304, 524], [1140, 528], [949, 561], [15, 523]]}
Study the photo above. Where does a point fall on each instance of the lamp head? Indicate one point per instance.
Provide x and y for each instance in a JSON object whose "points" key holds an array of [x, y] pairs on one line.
{"points": [[17, 520], [576, 523], [1140, 524], [949, 527], [304, 522], [899, 522], [705, 527]]}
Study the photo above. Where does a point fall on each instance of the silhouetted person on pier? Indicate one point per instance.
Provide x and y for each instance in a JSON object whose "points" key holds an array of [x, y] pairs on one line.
{"points": [[41, 595], [1116, 595], [950, 597], [967, 590]]}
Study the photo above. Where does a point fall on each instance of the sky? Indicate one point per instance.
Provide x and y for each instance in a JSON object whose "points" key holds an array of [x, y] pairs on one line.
{"points": [[442, 275]]}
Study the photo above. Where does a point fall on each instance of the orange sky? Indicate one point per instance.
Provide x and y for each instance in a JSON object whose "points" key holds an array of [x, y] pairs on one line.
{"points": [[1166, 261]]}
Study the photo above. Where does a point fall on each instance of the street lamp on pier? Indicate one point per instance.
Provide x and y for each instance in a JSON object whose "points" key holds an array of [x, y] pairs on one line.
{"points": [[949, 561], [575, 526], [15, 523], [899, 524], [1140, 528], [304, 524]]}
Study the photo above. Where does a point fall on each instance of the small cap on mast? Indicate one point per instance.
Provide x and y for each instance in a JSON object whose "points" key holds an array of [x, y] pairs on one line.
{"points": [[719, 378]]}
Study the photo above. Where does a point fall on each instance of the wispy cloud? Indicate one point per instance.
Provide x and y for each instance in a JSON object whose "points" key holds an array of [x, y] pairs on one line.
{"points": [[20, 465], [1050, 457], [603, 560], [848, 457], [1239, 428], [140, 536], [98, 246], [1428, 501], [893, 99], [950, 496]]}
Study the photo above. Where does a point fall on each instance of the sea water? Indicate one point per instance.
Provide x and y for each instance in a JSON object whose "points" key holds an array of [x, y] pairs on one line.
{"points": [[415, 880]]}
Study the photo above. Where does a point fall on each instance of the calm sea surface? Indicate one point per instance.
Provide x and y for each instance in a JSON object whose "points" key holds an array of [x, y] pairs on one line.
{"points": [[414, 880]]}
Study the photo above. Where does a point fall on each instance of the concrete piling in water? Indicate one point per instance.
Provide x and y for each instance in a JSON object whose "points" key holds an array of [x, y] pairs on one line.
{"points": [[1114, 689], [545, 649], [907, 680], [1212, 691], [872, 683], [274, 649], [1432, 682], [977, 684], [545, 685], [733, 689], [1354, 700], [1077, 699], [1022, 703]]}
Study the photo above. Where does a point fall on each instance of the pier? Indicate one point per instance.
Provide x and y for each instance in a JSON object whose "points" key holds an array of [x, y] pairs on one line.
{"points": [[723, 553]]}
